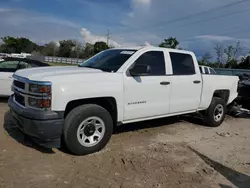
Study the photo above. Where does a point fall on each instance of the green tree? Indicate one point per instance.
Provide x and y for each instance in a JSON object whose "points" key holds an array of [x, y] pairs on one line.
{"points": [[77, 49], [170, 43], [39, 48], [88, 51], [50, 49], [65, 48], [245, 63], [219, 51], [17, 45], [232, 64], [100, 46], [232, 52]]}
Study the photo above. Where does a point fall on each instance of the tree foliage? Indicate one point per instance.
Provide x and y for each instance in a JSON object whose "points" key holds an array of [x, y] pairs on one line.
{"points": [[232, 64], [100, 46], [245, 63], [50, 49], [65, 48], [77, 49], [17, 45], [205, 59], [226, 56], [219, 51], [170, 43], [231, 52], [88, 50]]}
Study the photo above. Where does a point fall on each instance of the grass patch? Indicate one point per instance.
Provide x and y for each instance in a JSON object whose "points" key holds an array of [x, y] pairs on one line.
{"points": [[6, 133]]}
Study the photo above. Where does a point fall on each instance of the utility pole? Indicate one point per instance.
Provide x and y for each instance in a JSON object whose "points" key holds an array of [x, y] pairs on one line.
{"points": [[108, 36]]}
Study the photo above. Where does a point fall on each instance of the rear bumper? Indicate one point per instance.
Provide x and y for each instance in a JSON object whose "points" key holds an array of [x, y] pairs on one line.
{"points": [[45, 127]]}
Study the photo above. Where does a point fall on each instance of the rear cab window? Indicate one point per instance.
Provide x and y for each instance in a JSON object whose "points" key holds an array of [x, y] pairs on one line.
{"points": [[182, 64]]}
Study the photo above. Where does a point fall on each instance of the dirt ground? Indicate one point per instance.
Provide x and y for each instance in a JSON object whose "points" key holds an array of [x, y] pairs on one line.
{"points": [[174, 152]]}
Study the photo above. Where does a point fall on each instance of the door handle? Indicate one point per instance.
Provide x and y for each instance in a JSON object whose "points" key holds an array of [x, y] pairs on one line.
{"points": [[165, 83], [197, 81]]}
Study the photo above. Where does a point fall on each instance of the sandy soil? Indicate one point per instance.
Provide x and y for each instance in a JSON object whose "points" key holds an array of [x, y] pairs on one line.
{"points": [[174, 152]]}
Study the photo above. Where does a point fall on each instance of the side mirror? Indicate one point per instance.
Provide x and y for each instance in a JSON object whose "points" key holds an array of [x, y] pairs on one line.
{"points": [[140, 70]]}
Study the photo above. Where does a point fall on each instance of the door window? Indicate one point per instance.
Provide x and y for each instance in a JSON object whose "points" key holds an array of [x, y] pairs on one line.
{"points": [[182, 64], [8, 66], [156, 61], [24, 65]]}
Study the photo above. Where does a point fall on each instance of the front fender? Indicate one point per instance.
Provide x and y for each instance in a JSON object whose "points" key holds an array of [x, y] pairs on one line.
{"points": [[64, 93]]}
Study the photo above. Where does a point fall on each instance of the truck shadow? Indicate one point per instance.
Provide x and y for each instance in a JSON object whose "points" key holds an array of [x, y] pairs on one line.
{"points": [[238, 179], [16, 134], [4, 99]]}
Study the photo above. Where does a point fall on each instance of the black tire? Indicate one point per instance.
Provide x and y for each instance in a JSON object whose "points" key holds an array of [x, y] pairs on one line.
{"points": [[73, 121], [208, 116]]}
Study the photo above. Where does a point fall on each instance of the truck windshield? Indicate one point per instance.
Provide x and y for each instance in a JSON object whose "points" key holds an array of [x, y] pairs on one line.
{"points": [[108, 60]]}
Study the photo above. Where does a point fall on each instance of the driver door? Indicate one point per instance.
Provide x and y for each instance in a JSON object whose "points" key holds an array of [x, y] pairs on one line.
{"points": [[147, 95]]}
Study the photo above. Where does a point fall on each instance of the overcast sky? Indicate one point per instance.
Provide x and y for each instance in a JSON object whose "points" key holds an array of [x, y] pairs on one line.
{"points": [[197, 24]]}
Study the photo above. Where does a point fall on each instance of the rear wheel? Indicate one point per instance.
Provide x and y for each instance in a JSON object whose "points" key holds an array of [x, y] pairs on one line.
{"points": [[215, 114], [88, 129]]}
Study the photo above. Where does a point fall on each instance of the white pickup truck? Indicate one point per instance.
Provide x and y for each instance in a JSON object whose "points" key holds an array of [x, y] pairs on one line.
{"points": [[81, 105], [207, 70]]}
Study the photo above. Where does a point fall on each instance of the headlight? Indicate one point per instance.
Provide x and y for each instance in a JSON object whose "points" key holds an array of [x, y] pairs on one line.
{"points": [[39, 103], [35, 88]]}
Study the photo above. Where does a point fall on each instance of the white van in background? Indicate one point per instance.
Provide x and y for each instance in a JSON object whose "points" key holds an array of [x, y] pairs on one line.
{"points": [[21, 55]]}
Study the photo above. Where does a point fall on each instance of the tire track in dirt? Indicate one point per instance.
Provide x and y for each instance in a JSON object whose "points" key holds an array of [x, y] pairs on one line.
{"points": [[156, 156]]}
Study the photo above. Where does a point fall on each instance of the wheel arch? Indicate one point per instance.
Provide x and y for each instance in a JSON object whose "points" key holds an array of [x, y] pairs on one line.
{"points": [[223, 94], [108, 103]]}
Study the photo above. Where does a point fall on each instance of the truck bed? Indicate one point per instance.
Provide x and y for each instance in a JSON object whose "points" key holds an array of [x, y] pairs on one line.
{"points": [[212, 83]]}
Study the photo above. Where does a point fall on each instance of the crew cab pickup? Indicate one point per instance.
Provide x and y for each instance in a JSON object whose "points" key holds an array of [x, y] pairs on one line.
{"points": [[80, 106]]}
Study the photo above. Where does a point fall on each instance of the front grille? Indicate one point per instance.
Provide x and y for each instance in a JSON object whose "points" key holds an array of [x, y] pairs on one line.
{"points": [[19, 84], [19, 99]]}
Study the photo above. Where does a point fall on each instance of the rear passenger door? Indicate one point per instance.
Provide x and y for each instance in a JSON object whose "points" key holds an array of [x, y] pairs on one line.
{"points": [[186, 83], [147, 96]]}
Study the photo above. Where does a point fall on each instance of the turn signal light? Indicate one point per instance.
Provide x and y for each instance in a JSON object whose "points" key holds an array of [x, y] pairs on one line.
{"points": [[45, 89], [45, 103]]}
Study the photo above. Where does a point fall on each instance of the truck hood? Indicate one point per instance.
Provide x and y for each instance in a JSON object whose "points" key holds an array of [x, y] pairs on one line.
{"points": [[41, 73]]}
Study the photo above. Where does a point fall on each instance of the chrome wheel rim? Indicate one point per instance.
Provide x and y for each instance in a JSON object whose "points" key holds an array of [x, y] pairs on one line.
{"points": [[90, 132], [218, 112]]}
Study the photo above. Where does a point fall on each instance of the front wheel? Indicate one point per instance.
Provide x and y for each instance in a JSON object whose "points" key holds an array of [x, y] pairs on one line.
{"points": [[215, 114], [88, 129]]}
